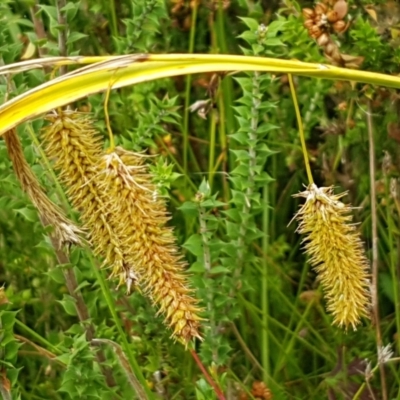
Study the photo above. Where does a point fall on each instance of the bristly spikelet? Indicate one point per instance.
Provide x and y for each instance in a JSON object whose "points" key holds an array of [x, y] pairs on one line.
{"points": [[139, 217], [337, 254], [72, 143], [66, 232]]}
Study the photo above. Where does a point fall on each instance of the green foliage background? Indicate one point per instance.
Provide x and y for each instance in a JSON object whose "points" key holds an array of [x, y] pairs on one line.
{"points": [[230, 177]]}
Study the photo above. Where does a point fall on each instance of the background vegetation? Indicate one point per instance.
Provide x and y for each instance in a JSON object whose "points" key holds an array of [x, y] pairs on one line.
{"points": [[229, 159]]}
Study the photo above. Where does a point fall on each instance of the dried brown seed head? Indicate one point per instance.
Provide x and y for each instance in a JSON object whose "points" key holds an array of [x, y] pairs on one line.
{"points": [[65, 231]]}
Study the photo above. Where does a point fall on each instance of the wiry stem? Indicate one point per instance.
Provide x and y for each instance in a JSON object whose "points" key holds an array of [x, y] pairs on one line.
{"points": [[39, 29], [133, 380], [301, 130], [62, 33], [216, 388], [375, 304]]}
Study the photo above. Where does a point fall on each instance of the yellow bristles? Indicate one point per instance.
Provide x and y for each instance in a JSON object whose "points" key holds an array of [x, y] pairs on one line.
{"points": [[72, 143], [124, 218], [337, 254], [139, 218]]}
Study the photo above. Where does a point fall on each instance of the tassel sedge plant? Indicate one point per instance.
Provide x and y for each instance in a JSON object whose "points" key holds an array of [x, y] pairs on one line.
{"points": [[334, 245], [124, 218], [66, 232], [337, 254]]}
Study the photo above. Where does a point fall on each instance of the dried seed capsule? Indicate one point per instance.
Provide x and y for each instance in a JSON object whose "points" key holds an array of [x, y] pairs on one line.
{"points": [[323, 40], [308, 13], [339, 26], [336, 55], [315, 32], [341, 8], [308, 24], [332, 16], [330, 48], [320, 9]]}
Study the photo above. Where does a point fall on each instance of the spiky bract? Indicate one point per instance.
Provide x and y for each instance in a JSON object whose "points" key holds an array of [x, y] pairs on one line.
{"points": [[139, 217], [66, 232], [337, 254]]}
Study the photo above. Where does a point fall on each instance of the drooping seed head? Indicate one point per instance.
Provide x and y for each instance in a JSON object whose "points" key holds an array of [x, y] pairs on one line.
{"points": [[139, 218], [336, 252], [66, 232]]}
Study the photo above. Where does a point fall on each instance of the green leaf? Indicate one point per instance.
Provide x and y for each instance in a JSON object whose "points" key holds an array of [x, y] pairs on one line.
{"points": [[274, 42], [219, 270], [28, 213], [69, 304], [194, 245], [197, 267], [50, 11], [251, 23], [75, 36], [56, 275]]}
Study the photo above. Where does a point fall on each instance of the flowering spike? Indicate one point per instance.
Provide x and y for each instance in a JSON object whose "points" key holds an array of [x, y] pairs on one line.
{"points": [[124, 218], [337, 254], [139, 219], [72, 142]]}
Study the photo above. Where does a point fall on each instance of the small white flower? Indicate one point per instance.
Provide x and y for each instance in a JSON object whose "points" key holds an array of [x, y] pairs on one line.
{"points": [[368, 370], [385, 354]]}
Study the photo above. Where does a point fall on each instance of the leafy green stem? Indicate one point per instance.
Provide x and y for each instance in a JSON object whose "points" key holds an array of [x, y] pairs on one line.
{"points": [[207, 267], [252, 142]]}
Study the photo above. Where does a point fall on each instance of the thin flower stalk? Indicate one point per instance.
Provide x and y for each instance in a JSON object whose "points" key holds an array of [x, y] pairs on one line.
{"points": [[139, 217], [337, 254], [66, 232], [73, 144]]}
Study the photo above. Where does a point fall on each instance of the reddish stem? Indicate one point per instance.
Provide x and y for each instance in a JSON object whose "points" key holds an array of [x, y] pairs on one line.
{"points": [[210, 380]]}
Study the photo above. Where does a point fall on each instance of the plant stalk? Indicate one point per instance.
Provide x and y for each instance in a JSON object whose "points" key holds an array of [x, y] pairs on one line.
{"points": [[301, 130], [375, 255]]}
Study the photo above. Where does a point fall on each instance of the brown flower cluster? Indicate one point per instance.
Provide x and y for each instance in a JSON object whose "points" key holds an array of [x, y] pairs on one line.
{"points": [[123, 216], [337, 254], [323, 20], [259, 391]]}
